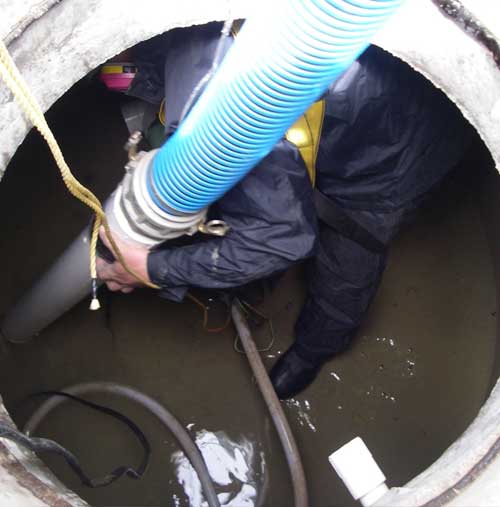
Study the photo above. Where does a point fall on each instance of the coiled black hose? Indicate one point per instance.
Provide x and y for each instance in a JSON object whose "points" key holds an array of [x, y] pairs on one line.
{"points": [[161, 413]]}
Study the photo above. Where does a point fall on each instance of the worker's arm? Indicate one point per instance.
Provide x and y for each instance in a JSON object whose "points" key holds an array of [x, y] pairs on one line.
{"points": [[273, 225]]}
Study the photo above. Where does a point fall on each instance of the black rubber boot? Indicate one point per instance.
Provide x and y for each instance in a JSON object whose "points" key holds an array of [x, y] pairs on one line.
{"points": [[291, 374]]}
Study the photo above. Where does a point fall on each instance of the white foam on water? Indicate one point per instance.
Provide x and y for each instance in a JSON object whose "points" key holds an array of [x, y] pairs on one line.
{"points": [[230, 466]]}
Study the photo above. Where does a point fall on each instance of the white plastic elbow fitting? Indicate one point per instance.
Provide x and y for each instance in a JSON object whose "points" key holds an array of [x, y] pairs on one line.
{"points": [[360, 473]]}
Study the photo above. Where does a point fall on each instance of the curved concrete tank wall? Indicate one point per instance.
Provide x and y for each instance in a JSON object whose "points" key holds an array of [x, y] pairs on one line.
{"points": [[55, 43]]}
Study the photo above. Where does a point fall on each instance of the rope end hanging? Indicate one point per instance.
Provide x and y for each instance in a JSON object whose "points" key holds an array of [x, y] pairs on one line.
{"points": [[15, 82], [94, 303]]}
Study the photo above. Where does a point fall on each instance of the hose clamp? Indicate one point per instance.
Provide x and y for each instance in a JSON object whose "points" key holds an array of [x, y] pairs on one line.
{"points": [[139, 217]]}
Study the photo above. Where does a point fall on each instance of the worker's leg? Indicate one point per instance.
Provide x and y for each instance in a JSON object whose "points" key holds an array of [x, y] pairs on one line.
{"points": [[343, 279]]}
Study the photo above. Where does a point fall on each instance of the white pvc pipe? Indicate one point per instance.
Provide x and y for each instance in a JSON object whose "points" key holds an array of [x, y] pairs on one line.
{"points": [[360, 473]]}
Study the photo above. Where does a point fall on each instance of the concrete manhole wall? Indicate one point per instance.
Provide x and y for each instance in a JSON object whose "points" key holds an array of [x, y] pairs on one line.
{"points": [[56, 43]]}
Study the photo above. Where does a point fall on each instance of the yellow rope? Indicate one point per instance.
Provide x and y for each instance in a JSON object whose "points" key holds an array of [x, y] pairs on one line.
{"points": [[14, 80]]}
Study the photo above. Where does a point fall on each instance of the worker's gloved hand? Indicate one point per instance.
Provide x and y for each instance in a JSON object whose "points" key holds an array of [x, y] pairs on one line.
{"points": [[114, 274]]}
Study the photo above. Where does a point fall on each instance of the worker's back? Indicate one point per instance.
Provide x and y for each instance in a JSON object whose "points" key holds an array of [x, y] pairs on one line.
{"points": [[388, 136]]}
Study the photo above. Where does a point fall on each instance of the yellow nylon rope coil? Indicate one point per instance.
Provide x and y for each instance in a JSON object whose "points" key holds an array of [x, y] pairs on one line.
{"points": [[17, 85]]}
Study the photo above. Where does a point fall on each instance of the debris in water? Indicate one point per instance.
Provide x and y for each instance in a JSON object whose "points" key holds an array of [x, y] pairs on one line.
{"points": [[335, 376], [409, 368], [387, 396], [303, 418], [383, 339]]}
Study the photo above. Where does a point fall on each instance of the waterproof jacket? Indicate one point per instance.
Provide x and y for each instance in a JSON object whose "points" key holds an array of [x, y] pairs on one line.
{"points": [[388, 137]]}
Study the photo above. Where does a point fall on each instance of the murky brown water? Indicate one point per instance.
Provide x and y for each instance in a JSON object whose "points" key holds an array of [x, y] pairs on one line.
{"points": [[414, 379]]}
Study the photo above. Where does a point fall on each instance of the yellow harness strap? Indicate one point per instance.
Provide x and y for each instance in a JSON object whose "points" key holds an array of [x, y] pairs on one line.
{"points": [[305, 134]]}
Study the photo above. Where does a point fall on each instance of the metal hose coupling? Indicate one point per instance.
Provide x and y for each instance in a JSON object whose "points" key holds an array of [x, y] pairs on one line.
{"points": [[135, 216]]}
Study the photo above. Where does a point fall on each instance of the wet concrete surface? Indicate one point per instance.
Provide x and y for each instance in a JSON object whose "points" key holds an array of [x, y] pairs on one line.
{"points": [[414, 379]]}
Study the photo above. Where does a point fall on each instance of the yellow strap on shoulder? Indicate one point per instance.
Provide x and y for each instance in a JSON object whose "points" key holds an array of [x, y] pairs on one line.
{"points": [[305, 134], [161, 112]]}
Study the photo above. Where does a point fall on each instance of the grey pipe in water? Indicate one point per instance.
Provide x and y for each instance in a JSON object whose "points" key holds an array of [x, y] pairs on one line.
{"points": [[63, 285], [273, 404]]}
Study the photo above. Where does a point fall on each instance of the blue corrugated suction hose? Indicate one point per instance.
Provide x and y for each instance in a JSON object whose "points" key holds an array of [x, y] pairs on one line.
{"points": [[283, 59]]}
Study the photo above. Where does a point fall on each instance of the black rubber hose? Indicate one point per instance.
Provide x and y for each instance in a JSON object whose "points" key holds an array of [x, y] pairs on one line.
{"points": [[46, 446], [161, 413], [273, 404]]}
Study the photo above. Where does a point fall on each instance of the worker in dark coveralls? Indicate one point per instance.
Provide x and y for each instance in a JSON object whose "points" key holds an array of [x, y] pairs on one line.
{"points": [[385, 138]]}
